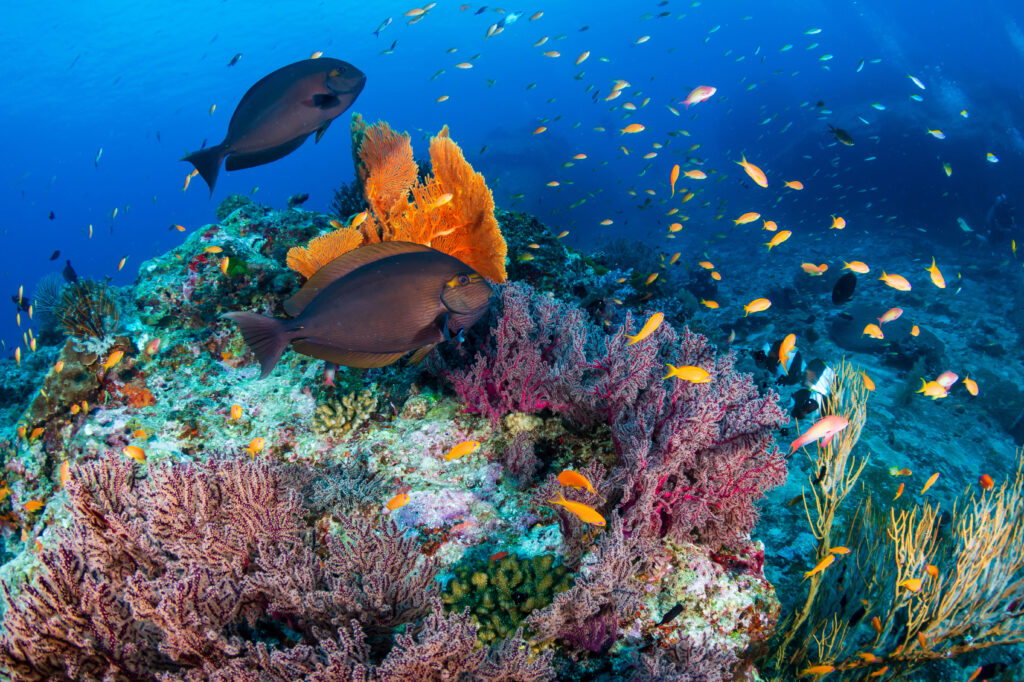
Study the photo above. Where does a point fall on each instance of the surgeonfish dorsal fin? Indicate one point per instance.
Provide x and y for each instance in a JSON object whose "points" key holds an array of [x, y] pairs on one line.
{"points": [[343, 265]]}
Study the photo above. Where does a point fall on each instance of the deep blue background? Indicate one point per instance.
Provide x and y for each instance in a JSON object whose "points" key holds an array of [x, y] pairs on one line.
{"points": [[78, 78]]}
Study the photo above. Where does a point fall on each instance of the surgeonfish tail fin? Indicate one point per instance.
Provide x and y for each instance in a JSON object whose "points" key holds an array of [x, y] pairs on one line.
{"points": [[265, 336], [207, 162]]}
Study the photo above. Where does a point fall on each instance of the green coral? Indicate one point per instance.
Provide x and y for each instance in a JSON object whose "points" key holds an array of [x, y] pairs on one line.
{"points": [[501, 594], [339, 417]]}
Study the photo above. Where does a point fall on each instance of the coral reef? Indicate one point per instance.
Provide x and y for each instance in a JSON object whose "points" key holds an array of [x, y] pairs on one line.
{"points": [[341, 416], [502, 592]]}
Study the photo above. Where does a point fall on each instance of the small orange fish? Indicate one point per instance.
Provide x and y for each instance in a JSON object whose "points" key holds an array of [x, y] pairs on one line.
{"points": [[317, 54], [140, 434], [746, 218], [860, 267], [236, 412], [34, 505], [255, 445], [794, 184], [874, 331], [497, 556], [878, 673], [653, 322], [876, 624], [397, 502], [986, 482], [897, 282], [932, 570], [785, 349], [756, 306], [675, 227], [890, 315], [462, 449], [820, 566], [706, 264], [899, 491], [583, 512], [632, 128], [695, 375], [113, 359], [717, 276], [818, 670], [928, 484], [755, 173], [136, 453], [152, 347], [840, 550], [224, 265], [971, 385], [673, 176], [814, 270], [838, 223], [696, 174], [868, 383], [713, 305], [975, 674], [59, 367], [936, 276], [912, 584], [573, 479], [213, 249], [933, 389], [540, 130], [771, 225], [778, 239], [650, 278], [582, 58], [65, 473]]}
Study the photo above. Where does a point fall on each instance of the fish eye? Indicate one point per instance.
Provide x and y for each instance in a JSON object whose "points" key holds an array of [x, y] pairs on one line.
{"points": [[463, 279]]}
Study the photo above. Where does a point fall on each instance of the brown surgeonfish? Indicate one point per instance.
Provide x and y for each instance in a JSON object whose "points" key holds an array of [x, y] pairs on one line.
{"points": [[277, 114], [371, 306]]}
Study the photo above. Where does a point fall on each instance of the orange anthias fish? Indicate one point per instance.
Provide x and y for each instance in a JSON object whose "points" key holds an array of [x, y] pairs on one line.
{"points": [[838, 223], [898, 282], [986, 482], [398, 501], [673, 176], [633, 128], [874, 331], [890, 315], [814, 270], [653, 322], [794, 184], [699, 94], [820, 566], [136, 453], [778, 239], [937, 278], [912, 584], [824, 429], [462, 449], [696, 174], [868, 383], [929, 483], [860, 267], [785, 350], [574, 479], [255, 445], [756, 306], [946, 379], [584, 512], [34, 505], [818, 670], [971, 385], [695, 375], [113, 359], [933, 389], [755, 173], [748, 217]]}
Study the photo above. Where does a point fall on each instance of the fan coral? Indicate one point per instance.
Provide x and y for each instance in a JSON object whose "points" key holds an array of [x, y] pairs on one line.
{"points": [[208, 572], [86, 309], [451, 210], [693, 458], [341, 417]]}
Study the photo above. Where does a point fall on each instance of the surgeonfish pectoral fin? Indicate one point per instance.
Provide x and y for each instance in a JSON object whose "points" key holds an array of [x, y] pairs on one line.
{"points": [[418, 357], [321, 130]]}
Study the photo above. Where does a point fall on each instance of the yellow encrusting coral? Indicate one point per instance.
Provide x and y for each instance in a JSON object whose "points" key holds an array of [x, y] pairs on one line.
{"points": [[451, 211]]}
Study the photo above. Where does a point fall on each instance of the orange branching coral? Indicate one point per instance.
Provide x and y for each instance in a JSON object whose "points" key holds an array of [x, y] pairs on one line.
{"points": [[306, 260], [452, 211]]}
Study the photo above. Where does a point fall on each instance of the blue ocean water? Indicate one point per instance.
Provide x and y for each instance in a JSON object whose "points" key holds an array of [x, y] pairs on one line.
{"points": [[138, 80]]}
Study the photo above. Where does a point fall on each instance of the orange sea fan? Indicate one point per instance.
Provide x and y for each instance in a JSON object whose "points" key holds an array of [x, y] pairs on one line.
{"points": [[323, 249], [388, 169], [402, 209]]}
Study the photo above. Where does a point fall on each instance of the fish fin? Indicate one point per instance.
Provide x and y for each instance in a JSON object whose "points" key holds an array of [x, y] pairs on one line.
{"points": [[321, 130], [267, 337], [343, 265], [207, 162], [322, 101], [421, 354], [240, 161], [346, 358]]}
